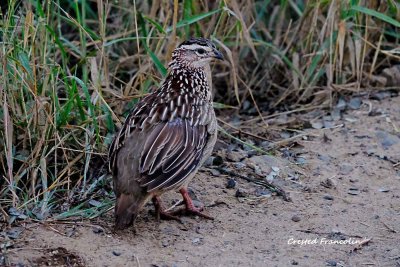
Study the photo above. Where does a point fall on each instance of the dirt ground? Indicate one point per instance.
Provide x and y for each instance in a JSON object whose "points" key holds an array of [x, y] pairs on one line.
{"points": [[345, 209]]}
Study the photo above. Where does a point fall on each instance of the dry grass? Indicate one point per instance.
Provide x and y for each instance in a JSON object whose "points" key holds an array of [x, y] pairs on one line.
{"points": [[70, 72]]}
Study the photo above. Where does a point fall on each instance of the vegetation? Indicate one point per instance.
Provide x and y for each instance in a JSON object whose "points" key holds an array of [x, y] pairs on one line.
{"points": [[71, 70]]}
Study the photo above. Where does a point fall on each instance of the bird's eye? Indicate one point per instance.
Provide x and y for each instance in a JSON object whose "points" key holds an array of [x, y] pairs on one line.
{"points": [[201, 51]]}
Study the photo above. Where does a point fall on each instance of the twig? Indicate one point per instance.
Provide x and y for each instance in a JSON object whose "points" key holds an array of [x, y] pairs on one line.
{"points": [[276, 189]]}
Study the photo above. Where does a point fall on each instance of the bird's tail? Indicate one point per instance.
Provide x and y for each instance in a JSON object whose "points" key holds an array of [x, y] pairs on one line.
{"points": [[127, 209]]}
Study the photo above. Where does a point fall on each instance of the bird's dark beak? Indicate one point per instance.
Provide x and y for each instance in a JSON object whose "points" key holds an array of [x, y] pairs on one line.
{"points": [[218, 55]]}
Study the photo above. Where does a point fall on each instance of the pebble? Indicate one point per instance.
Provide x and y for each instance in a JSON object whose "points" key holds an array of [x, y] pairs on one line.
{"points": [[116, 253], [97, 230], [354, 103], [241, 193], [235, 156], [196, 241], [328, 197], [215, 172], [353, 191], [261, 192], [341, 105], [317, 125], [384, 190], [231, 183], [386, 139], [239, 165], [14, 232], [346, 169], [331, 263], [296, 218], [295, 262], [325, 158], [214, 161]]}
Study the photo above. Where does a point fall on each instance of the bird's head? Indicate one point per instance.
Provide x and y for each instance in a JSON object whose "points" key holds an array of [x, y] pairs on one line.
{"points": [[196, 53]]}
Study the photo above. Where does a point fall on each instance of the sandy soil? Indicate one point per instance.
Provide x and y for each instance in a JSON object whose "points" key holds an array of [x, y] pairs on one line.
{"points": [[346, 190]]}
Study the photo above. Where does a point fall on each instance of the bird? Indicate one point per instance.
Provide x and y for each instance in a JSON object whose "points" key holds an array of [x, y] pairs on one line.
{"points": [[166, 137]]}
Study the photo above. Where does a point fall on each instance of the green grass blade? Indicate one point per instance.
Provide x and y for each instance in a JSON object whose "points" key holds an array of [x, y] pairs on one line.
{"points": [[376, 14]]}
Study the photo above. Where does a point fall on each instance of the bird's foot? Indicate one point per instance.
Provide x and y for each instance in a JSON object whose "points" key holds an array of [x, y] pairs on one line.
{"points": [[190, 208], [160, 211]]}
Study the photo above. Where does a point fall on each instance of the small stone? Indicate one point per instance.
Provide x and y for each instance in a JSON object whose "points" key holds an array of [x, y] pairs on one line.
{"points": [[346, 169], [215, 172], [261, 192], [380, 95], [239, 165], [317, 125], [383, 190], [353, 191], [14, 232], [331, 263], [325, 158], [165, 243], [241, 193], [295, 262], [336, 114], [235, 156], [116, 253], [328, 183], [218, 160], [329, 124], [296, 218], [328, 197], [387, 139], [97, 230], [341, 105], [354, 103], [301, 161], [196, 241], [231, 183]]}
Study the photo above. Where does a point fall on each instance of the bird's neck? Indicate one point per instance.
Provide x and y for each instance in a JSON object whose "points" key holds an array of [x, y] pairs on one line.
{"points": [[195, 81]]}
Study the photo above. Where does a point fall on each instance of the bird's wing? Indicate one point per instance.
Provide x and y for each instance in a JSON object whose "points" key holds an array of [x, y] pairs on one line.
{"points": [[171, 152]]}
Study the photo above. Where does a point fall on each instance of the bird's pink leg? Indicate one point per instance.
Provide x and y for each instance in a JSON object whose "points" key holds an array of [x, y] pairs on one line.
{"points": [[190, 208], [160, 210]]}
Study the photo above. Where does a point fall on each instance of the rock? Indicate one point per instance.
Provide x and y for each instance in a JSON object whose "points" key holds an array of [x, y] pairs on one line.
{"points": [[14, 232], [231, 183], [336, 114], [116, 253], [261, 192], [345, 169], [301, 161], [235, 156], [383, 190], [328, 183], [386, 139], [331, 263], [341, 105], [239, 165], [353, 191], [329, 124], [214, 161], [215, 172], [97, 230], [380, 95], [196, 241], [241, 193], [328, 197], [317, 124], [293, 262], [296, 218], [354, 103], [324, 158]]}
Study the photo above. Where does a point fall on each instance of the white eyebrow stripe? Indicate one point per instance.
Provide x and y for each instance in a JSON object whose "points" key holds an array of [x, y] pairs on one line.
{"points": [[196, 46]]}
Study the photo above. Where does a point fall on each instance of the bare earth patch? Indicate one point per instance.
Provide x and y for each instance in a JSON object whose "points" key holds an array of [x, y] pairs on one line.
{"points": [[346, 191]]}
